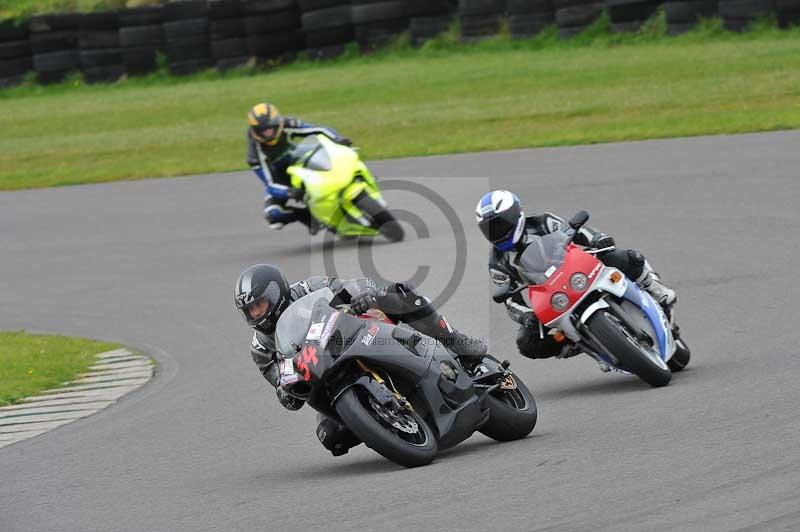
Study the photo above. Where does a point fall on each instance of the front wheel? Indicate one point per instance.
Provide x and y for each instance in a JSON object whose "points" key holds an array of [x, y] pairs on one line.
{"points": [[635, 355], [513, 412], [682, 355], [400, 435], [382, 219]]}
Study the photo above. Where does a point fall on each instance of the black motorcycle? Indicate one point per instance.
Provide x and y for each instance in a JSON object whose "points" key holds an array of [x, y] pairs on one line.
{"points": [[398, 391]]}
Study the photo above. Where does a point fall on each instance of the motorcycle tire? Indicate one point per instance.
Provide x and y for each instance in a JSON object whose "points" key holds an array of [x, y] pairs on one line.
{"points": [[382, 219], [355, 410], [513, 413], [681, 357], [624, 346]]}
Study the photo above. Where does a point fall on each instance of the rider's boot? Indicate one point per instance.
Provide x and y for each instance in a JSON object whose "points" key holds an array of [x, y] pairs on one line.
{"points": [[650, 282], [305, 218], [276, 214]]}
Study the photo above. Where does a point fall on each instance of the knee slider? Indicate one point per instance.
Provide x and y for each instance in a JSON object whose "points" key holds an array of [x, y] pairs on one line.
{"points": [[335, 437], [637, 263], [636, 258]]}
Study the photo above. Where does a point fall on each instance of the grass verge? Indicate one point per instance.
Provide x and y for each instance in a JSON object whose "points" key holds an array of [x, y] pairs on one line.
{"points": [[443, 98], [26, 8], [30, 363]]}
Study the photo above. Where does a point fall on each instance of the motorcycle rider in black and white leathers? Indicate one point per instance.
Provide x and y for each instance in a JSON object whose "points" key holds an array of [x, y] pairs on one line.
{"points": [[502, 221], [262, 294]]}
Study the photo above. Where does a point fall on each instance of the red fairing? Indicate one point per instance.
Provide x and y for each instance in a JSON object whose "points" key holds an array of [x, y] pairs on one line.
{"points": [[576, 260]]}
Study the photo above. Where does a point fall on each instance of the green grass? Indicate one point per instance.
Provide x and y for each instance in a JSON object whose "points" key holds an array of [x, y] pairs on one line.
{"points": [[25, 8], [444, 98], [32, 363]]}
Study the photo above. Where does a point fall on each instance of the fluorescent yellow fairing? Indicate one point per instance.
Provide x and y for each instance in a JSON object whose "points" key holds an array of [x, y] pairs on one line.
{"points": [[331, 189]]}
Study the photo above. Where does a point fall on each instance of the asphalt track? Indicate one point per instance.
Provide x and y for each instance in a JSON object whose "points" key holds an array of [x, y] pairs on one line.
{"points": [[205, 446]]}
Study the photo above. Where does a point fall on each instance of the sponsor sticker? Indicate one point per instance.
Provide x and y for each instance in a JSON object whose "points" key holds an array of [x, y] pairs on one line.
{"points": [[368, 338], [315, 331], [288, 373], [595, 270], [328, 330]]}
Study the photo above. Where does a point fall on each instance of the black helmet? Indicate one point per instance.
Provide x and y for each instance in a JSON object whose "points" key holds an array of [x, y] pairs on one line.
{"points": [[266, 123], [262, 286], [500, 218]]}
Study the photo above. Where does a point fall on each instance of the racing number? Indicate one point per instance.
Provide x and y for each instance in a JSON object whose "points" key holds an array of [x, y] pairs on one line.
{"points": [[307, 356]]}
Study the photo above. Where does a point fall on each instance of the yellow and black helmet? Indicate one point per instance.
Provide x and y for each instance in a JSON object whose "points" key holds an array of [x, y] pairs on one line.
{"points": [[266, 123]]}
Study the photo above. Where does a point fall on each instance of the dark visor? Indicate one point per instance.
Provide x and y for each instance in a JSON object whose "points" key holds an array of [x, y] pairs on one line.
{"points": [[497, 229]]}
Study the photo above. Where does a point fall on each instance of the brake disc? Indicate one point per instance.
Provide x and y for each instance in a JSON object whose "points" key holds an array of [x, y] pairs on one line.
{"points": [[400, 421]]}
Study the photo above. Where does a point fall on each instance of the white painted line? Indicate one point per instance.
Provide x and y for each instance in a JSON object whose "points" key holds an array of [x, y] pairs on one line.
{"points": [[114, 378], [98, 386], [123, 371], [143, 364], [57, 402], [21, 421], [36, 410], [114, 353], [31, 427], [107, 392], [18, 437]]}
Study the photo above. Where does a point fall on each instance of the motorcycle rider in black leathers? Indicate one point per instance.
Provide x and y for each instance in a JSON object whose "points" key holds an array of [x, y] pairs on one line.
{"points": [[502, 221], [270, 139], [262, 294]]}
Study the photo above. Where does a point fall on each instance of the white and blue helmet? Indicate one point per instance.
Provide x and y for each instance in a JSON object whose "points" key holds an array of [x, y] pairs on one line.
{"points": [[500, 218]]}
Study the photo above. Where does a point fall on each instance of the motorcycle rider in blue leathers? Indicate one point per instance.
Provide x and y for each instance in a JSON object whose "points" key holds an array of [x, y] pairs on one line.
{"points": [[270, 139]]}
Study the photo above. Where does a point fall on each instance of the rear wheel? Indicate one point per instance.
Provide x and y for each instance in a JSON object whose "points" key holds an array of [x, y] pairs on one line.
{"points": [[513, 413], [382, 219], [396, 433], [635, 355]]}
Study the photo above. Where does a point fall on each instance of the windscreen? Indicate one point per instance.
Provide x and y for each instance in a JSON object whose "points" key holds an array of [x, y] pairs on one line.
{"points": [[542, 256], [293, 325], [313, 154]]}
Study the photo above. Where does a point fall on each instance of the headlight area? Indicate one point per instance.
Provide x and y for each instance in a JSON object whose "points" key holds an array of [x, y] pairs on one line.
{"points": [[559, 301], [578, 282]]}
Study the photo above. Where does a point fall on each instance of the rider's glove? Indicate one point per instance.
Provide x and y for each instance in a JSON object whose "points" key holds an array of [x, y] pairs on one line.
{"points": [[289, 402], [297, 193], [344, 141], [360, 303], [529, 320], [602, 240]]}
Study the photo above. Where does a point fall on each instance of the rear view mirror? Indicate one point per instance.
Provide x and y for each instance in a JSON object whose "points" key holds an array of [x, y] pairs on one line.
{"points": [[579, 219]]}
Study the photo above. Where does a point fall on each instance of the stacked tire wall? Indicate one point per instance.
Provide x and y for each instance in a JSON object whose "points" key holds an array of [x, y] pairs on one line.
{"points": [[195, 35], [15, 53], [272, 28], [327, 25], [187, 43], [100, 52], [376, 21], [54, 45], [480, 18], [526, 18], [141, 37], [428, 18]]}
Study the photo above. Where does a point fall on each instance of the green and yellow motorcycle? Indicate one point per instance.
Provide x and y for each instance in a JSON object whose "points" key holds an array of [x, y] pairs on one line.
{"points": [[340, 191]]}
